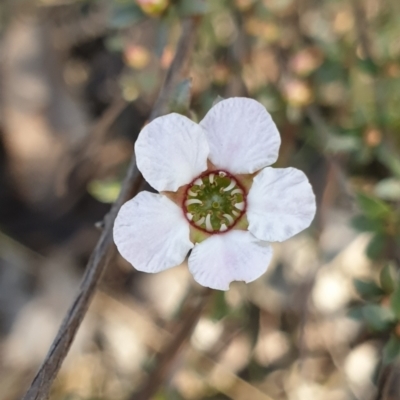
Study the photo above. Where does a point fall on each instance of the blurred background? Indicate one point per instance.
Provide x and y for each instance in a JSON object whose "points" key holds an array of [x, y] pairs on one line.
{"points": [[78, 79]]}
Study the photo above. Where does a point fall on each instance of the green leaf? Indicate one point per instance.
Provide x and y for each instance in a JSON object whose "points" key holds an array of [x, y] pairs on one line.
{"points": [[367, 289], [341, 143], [191, 8], [355, 313], [391, 351], [376, 246], [180, 99], [372, 207], [220, 308], [395, 302], [124, 15], [388, 189], [104, 191], [389, 158], [378, 318], [365, 224], [367, 65], [388, 278], [217, 100]]}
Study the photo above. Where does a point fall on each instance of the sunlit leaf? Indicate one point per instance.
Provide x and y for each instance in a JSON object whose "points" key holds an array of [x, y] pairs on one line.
{"points": [[104, 191], [388, 189]]}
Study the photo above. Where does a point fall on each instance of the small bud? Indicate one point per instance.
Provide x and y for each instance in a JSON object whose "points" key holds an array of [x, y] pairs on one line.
{"points": [[153, 8], [297, 93], [137, 57]]}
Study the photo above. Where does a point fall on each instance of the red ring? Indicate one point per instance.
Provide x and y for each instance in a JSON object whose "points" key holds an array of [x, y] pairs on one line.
{"points": [[191, 184]]}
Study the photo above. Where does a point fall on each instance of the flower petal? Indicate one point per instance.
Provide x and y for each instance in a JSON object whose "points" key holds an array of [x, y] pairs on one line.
{"points": [[242, 136], [280, 204], [151, 233], [171, 151], [232, 256]]}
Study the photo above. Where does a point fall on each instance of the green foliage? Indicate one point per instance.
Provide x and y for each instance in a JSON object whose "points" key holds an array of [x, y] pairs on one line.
{"points": [[367, 289], [373, 207], [125, 15], [388, 189], [369, 66], [391, 350], [378, 318], [189, 8], [395, 302], [104, 191], [180, 99], [220, 308], [376, 246], [365, 224], [388, 278]]}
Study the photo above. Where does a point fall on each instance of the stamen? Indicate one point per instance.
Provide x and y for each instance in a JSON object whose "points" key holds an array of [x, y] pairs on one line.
{"points": [[192, 201], [209, 227], [240, 206], [200, 221], [214, 202], [229, 218], [189, 216], [230, 186]]}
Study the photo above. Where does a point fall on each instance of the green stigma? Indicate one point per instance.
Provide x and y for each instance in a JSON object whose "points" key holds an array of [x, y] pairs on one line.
{"points": [[214, 202]]}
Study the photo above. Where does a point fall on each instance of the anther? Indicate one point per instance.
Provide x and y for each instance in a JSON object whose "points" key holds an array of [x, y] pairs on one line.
{"points": [[200, 221], [198, 182], [189, 216], [230, 186], [223, 228], [192, 201], [237, 191], [211, 178], [222, 174], [209, 227], [235, 213], [240, 206], [229, 218], [191, 193]]}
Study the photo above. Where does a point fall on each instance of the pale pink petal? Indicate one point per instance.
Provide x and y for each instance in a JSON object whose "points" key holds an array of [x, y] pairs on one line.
{"points": [[171, 151], [242, 136], [151, 233], [280, 204], [232, 256]]}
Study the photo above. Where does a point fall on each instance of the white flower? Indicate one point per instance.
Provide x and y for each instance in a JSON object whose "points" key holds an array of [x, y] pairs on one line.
{"points": [[218, 196]]}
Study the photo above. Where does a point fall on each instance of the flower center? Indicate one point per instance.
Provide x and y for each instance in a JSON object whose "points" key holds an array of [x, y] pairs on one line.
{"points": [[214, 202]]}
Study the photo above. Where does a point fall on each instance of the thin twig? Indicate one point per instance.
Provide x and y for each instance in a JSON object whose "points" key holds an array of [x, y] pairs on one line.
{"points": [[39, 389], [173, 348]]}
